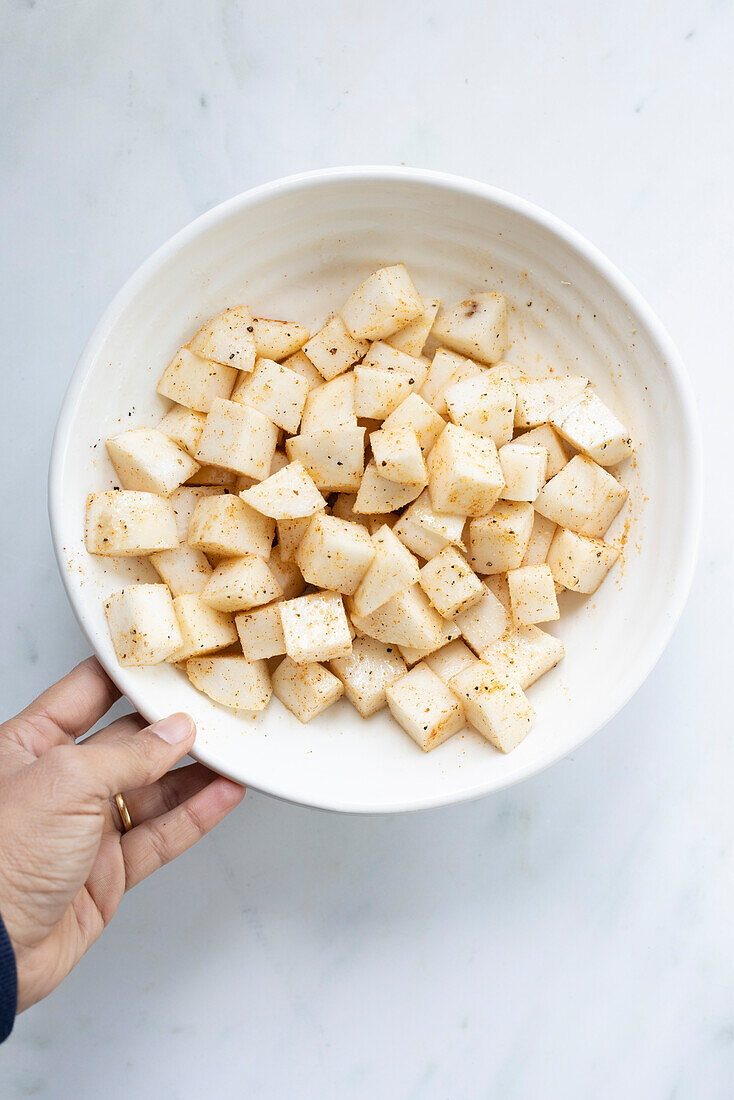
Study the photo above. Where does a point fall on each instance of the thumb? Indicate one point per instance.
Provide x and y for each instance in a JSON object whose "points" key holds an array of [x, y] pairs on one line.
{"points": [[121, 757]]}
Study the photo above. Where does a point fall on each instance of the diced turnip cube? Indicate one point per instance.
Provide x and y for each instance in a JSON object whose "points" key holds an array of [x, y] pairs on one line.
{"points": [[226, 526], [398, 456], [476, 327], [290, 533], [450, 584], [483, 623], [275, 391], [464, 473], [184, 569], [195, 382], [498, 541], [238, 438], [278, 339], [120, 523], [333, 350], [525, 653], [228, 338], [367, 672], [306, 690], [483, 404], [412, 338], [590, 426], [334, 554], [411, 655], [343, 508], [333, 458], [538, 397], [447, 369], [425, 708], [261, 632], [315, 627], [406, 619], [583, 497], [184, 501], [540, 540], [532, 595], [381, 519], [143, 624], [184, 426], [498, 586], [578, 562], [286, 573], [392, 569], [425, 531], [149, 461], [524, 470], [382, 355], [301, 364], [289, 494], [415, 413], [241, 584], [379, 391], [232, 681], [203, 629], [330, 406], [384, 303], [377, 494], [495, 705], [450, 660], [214, 477], [545, 436]]}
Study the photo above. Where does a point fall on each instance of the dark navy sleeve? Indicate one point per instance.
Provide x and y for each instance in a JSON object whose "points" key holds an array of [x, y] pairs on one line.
{"points": [[8, 984]]}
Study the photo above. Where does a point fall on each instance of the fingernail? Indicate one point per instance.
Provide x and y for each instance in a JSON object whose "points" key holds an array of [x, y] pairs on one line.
{"points": [[174, 729]]}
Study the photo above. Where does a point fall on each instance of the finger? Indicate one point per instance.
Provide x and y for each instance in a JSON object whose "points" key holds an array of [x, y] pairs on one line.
{"points": [[67, 709], [150, 846], [168, 793], [124, 757]]}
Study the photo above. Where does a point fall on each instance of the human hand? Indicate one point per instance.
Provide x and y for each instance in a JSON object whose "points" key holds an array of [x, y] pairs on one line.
{"points": [[64, 861]]}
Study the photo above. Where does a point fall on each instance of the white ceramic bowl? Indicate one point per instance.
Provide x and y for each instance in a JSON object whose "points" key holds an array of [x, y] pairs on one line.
{"points": [[296, 248]]}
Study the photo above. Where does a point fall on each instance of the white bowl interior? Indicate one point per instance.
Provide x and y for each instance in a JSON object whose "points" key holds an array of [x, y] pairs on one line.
{"points": [[296, 251]]}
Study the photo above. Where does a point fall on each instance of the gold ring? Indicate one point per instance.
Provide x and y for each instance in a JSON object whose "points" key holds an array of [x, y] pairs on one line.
{"points": [[127, 821]]}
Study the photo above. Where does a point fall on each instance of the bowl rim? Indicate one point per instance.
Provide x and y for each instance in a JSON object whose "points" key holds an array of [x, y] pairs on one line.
{"points": [[687, 547]]}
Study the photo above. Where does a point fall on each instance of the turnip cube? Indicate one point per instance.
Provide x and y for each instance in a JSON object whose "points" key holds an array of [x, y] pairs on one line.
{"points": [[449, 633], [412, 338], [541, 537], [447, 368], [538, 397], [333, 458], [415, 413], [286, 573], [306, 690], [333, 350], [238, 438], [450, 660], [330, 406], [524, 469], [545, 436], [367, 672], [476, 327], [464, 473], [343, 508], [241, 584], [334, 554], [484, 405], [377, 494], [398, 456], [184, 426], [406, 619], [384, 303], [184, 569], [532, 595], [214, 476], [261, 632], [195, 382], [498, 541], [184, 501], [425, 531], [315, 627], [498, 586], [422, 704], [232, 681], [524, 653], [450, 584], [148, 461], [278, 339], [120, 523], [590, 426], [228, 338], [143, 624], [583, 497], [483, 623], [203, 629], [275, 391], [578, 562], [290, 533], [301, 364], [226, 526], [392, 569], [289, 494], [379, 391], [495, 705]]}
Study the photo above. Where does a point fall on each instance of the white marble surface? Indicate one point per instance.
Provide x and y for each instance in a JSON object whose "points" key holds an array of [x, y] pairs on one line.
{"points": [[571, 937]]}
